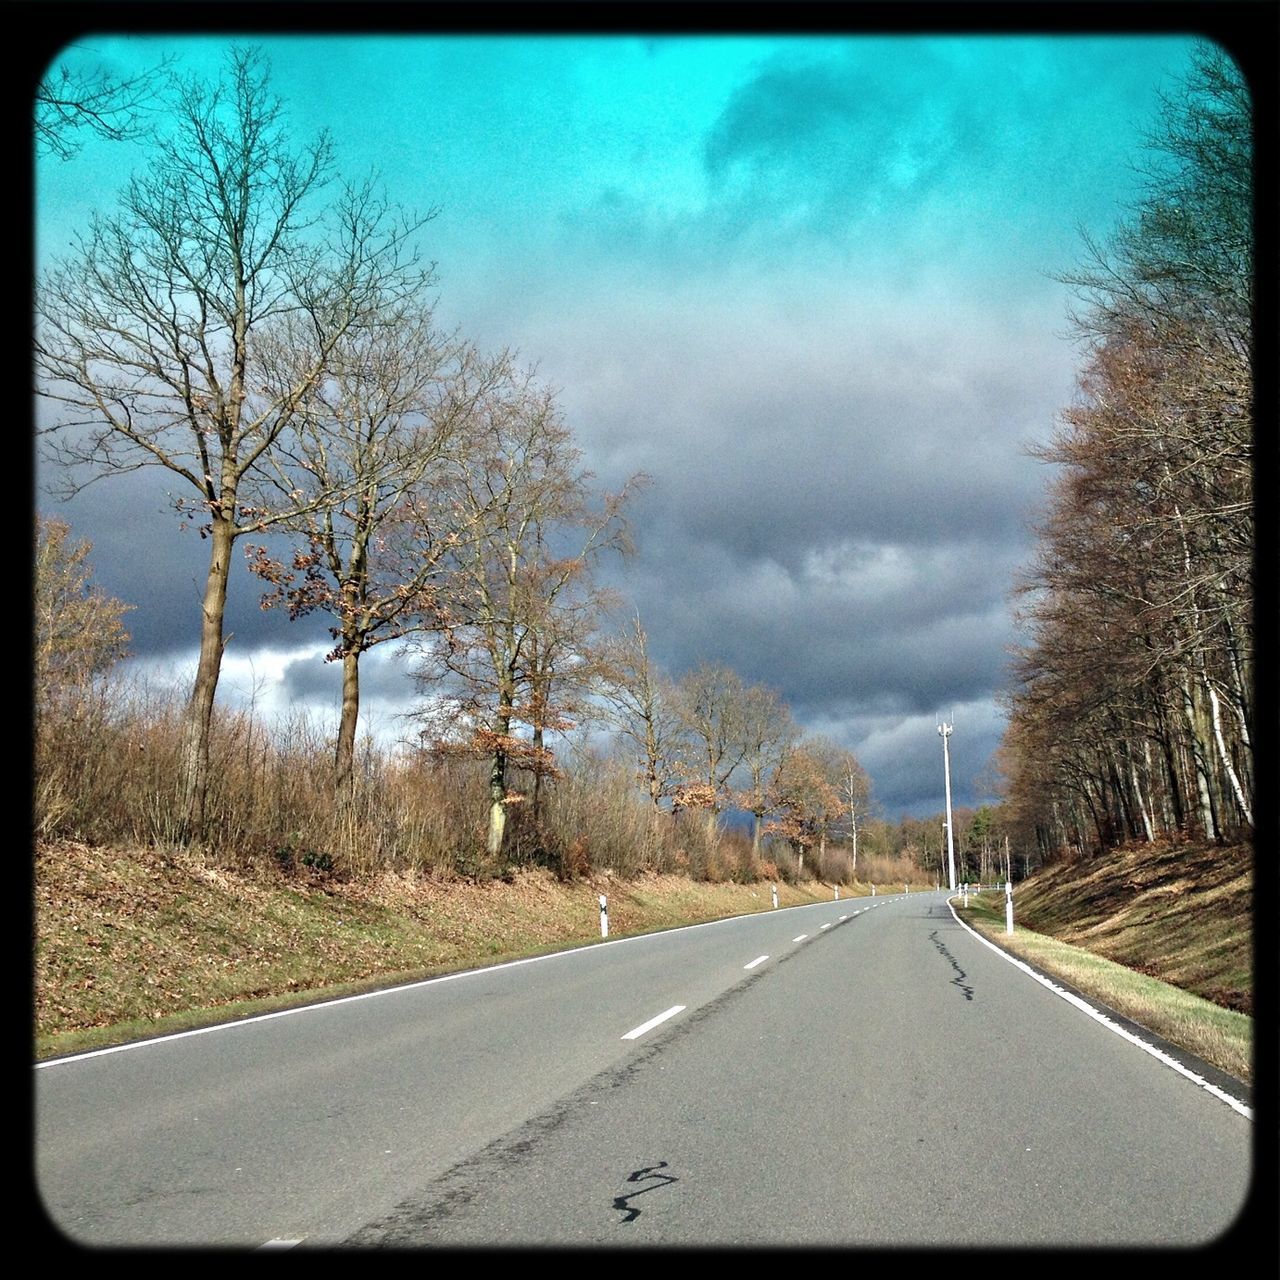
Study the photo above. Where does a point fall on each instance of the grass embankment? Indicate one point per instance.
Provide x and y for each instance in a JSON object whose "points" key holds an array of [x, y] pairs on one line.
{"points": [[138, 942], [1161, 934]]}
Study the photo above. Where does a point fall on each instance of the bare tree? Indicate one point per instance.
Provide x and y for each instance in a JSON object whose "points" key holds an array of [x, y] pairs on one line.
{"points": [[385, 433], [564, 665], [150, 334], [803, 798], [641, 704], [768, 733], [854, 787], [712, 703], [72, 104], [1133, 711]]}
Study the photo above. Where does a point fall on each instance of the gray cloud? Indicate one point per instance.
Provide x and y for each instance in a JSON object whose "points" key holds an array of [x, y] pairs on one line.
{"points": [[828, 359], [146, 556]]}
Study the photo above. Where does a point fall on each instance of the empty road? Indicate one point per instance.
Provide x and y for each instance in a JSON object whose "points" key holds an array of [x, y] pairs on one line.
{"points": [[858, 1072]]}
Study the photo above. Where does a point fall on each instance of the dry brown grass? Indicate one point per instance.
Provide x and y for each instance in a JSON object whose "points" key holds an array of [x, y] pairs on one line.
{"points": [[1180, 912], [106, 773], [141, 940]]}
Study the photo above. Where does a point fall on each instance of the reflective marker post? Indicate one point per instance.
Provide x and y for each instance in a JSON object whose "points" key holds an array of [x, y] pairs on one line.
{"points": [[604, 917], [1008, 906], [775, 895]]}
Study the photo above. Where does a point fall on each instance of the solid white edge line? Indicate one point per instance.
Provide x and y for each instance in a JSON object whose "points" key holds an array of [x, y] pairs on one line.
{"points": [[756, 961], [1234, 1103], [390, 991], [636, 1032], [801, 938]]}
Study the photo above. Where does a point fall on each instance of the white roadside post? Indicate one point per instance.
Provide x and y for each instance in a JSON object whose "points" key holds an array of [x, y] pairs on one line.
{"points": [[873, 891], [966, 894], [775, 895], [906, 888], [604, 917], [1008, 906], [836, 887]]}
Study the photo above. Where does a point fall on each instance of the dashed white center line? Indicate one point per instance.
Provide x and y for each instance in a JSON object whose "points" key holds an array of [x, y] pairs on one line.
{"points": [[801, 938], [827, 925], [843, 918], [282, 1242], [636, 1032], [756, 961]]}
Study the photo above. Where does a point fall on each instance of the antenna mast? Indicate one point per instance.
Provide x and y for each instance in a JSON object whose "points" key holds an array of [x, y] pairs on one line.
{"points": [[944, 729]]}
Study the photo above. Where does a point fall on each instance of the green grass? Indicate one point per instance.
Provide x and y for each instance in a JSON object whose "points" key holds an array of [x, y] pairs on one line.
{"points": [[1223, 1037]]}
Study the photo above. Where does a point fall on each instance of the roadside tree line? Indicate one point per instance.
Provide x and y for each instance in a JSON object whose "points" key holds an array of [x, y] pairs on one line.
{"points": [[1132, 714], [266, 335], [271, 343]]}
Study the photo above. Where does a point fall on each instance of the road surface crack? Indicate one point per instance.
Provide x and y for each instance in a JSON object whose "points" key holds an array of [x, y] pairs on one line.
{"points": [[959, 979]]}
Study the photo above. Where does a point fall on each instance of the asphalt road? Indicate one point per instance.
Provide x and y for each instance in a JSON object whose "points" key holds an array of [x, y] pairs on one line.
{"points": [[885, 1079]]}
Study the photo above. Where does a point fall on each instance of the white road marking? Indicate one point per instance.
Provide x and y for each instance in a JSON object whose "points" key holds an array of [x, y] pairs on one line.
{"points": [[387, 991], [801, 938], [844, 917], [1234, 1103], [637, 1032], [756, 961], [282, 1243], [827, 925]]}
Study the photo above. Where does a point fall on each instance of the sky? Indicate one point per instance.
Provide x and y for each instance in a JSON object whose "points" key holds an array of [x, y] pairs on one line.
{"points": [[806, 284]]}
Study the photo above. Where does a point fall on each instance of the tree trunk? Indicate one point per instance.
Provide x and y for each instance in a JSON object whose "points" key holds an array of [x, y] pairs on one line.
{"points": [[537, 774], [1140, 801], [193, 766], [1224, 756], [1208, 818], [498, 790], [345, 758]]}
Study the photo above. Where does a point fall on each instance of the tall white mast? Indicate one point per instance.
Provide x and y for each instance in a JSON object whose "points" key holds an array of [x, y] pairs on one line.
{"points": [[945, 730]]}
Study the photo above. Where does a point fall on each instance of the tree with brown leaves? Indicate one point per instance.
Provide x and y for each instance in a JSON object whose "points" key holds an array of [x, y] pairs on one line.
{"points": [[519, 592], [78, 630]]}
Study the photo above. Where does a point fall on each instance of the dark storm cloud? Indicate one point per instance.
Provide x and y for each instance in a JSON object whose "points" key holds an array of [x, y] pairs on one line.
{"points": [[384, 678], [146, 556], [906, 762], [869, 124], [971, 150], [826, 328], [904, 634]]}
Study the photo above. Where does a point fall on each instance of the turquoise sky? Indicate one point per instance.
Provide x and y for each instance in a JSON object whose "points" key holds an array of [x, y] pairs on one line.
{"points": [[806, 283]]}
